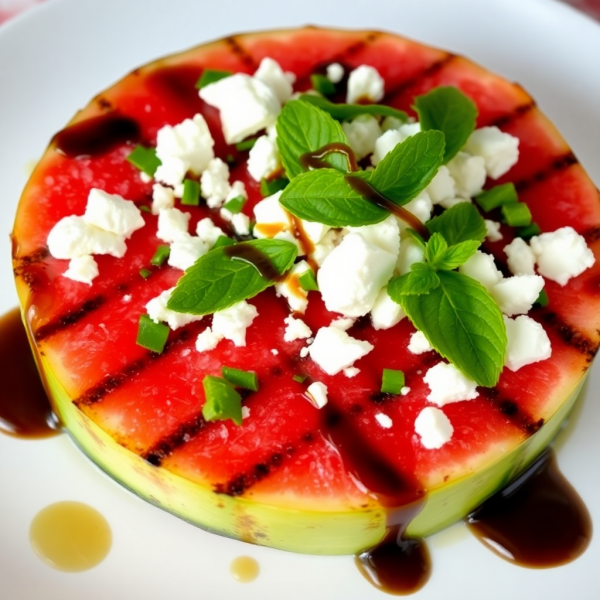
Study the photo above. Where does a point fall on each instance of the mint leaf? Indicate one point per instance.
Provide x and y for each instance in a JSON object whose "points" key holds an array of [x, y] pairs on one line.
{"points": [[302, 128], [435, 247], [463, 323], [456, 255], [216, 280], [458, 224], [450, 111], [349, 111], [409, 168], [325, 196], [421, 280]]}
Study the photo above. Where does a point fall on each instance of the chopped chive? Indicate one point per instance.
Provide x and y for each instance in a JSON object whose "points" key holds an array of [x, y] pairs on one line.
{"points": [[322, 85], [517, 215], [191, 193], [272, 186], [145, 208], [529, 231], [245, 144], [308, 281], [211, 76], [145, 273], [244, 379], [161, 254], [235, 205], [223, 240], [392, 381], [299, 378], [222, 401], [542, 299], [500, 195], [151, 335], [144, 159]]}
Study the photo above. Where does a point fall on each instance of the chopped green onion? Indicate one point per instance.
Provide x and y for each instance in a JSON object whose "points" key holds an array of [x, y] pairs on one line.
{"points": [[161, 254], [223, 240], [151, 335], [500, 195], [235, 205], [322, 85], [392, 381], [144, 159], [245, 144], [191, 193], [299, 378], [272, 186], [145, 273], [244, 379], [543, 299], [529, 231], [145, 208], [222, 401], [211, 76], [517, 215], [308, 281]]}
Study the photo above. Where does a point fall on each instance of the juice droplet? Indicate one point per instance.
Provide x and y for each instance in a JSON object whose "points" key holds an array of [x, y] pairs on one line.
{"points": [[70, 536], [244, 569]]}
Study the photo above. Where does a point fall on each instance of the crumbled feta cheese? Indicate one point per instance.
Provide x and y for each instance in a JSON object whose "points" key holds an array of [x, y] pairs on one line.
{"points": [[112, 213], [384, 144], [240, 222], [208, 232], [343, 323], [469, 174], [144, 177], [515, 295], [214, 183], [185, 147], [433, 427], [304, 352], [317, 394], [442, 186], [270, 73], [274, 352], [481, 267], [385, 312], [384, 420], [246, 105], [126, 298], [421, 207], [362, 133], [448, 384], [237, 189], [492, 230], [296, 329], [157, 310], [263, 158], [528, 342], [418, 343], [410, 253], [404, 391], [73, 237], [391, 123], [271, 218], [207, 340], [365, 83], [385, 235], [335, 72], [185, 251], [561, 254], [499, 150], [231, 323], [82, 269], [162, 197], [351, 372], [172, 224], [521, 259], [245, 412], [290, 289], [334, 350], [352, 275], [323, 248]]}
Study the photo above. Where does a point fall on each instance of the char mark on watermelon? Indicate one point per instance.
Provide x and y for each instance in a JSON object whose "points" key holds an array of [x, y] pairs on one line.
{"points": [[511, 410], [559, 164], [570, 335], [371, 37], [519, 111], [592, 234], [237, 49]]}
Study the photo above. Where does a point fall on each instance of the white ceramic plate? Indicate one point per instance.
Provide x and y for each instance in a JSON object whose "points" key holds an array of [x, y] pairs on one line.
{"points": [[53, 60]]}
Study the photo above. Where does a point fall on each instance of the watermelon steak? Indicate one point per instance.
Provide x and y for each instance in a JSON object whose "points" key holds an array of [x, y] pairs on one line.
{"points": [[282, 479]]}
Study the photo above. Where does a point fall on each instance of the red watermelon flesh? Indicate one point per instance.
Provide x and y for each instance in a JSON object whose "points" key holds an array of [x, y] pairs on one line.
{"points": [[151, 404]]}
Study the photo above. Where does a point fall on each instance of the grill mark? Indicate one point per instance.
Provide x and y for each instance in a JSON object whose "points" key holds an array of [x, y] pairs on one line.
{"points": [[371, 37], [559, 164], [30, 259], [571, 335], [237, 49], [592, 234], [509, 408], [513, 115], [69, 318], [114, 380]]}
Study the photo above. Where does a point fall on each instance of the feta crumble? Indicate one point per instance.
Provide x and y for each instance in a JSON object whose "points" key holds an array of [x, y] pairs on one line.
{"points": [[433, 427], [263, 159], [481, 267], [83, 269], [384, 420], [172, 224], [113, 213], [448, 384], [492, 229], [418, 343], [317, 394], [521, 259], [208, 232], [162, 197], [270, 73], [469, 174], [385, 312], [365, 83], [231, 323], [528, 342], [499, 150], [185, 251], [214, 183], [296, 329], [335, 72], [290, 288], [515, 295], [157, 310], [362, 133], [334, 350]]}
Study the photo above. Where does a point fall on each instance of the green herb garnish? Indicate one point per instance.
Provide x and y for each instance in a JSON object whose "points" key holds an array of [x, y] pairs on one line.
{"points": [[222, 401], [151, 335], [517, 214], [145, 208], [211, 76], [343, 112], [497, 196], [308, 281], [392, 381], [244, 379], [299, 378], [144, 159], [223, 240], [322, 84], [235, 205], [529, 231], [246, 144], [145, 273], [268, 187], [542, 300], [161, 254], [458, 224], [191, 193]]}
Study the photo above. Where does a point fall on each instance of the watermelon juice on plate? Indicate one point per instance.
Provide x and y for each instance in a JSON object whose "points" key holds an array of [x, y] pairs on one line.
{"points": [[389, 301]]}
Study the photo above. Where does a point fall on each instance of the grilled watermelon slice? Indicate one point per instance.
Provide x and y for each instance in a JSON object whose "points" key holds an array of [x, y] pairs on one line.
{"points": [[278, 480]]}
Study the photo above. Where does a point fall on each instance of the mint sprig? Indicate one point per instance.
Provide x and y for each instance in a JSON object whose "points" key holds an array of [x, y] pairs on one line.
{"points": [[342, 112], [303, 128], [458, 224], [448, 110], [217, 280]]}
